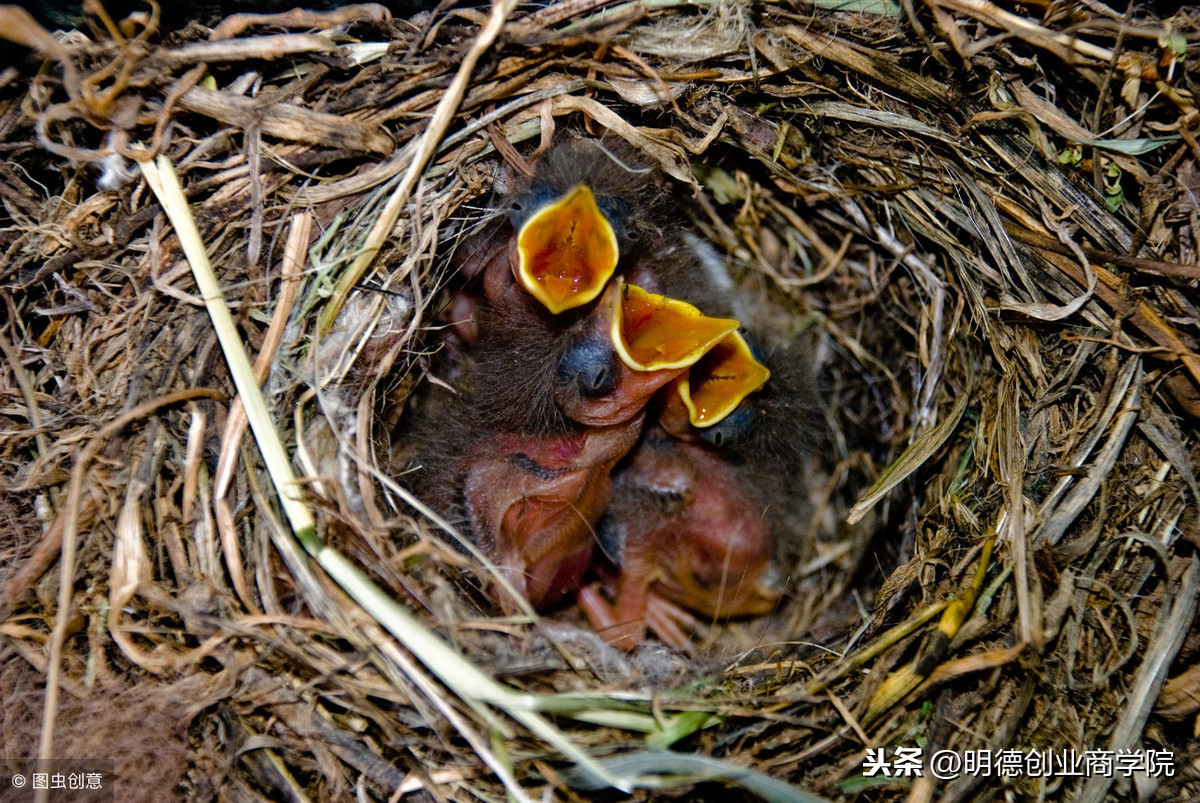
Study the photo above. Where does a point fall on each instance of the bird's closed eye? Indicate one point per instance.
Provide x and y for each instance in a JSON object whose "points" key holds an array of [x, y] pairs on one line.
{"points": [[590, 366], [734, 429]]}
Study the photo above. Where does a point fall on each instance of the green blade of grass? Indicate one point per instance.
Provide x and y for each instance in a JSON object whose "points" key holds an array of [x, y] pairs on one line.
{"points": [[661, 769]]}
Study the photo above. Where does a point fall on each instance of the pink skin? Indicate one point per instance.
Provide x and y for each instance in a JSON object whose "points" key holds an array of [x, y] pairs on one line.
{"points": [[633, 388], [535, 501], [673, 417], [692, 540]]}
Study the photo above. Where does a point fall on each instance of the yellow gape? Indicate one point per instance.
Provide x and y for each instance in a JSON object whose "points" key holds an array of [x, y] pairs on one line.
{"points": [[717, 383], [652, 332], [567, 251]]}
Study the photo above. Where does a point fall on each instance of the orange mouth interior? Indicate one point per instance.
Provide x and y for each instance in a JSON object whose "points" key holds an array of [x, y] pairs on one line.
{"points": [[567, 252], [652, 332], [718, 382]]}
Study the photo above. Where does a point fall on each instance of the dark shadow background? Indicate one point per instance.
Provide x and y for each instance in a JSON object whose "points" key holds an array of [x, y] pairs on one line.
{"points": [[69, 13]]}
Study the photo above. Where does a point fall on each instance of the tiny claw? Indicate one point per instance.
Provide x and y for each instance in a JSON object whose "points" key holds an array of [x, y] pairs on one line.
{"points": [[672, 624], [603, 618], [566, 252], [717, 383], [652, 332]]}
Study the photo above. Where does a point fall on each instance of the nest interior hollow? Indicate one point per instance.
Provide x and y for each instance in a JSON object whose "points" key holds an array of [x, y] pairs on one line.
{"points": [[983, 219]]}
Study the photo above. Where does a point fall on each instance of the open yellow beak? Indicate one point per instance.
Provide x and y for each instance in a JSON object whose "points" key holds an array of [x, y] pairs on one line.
{"points": [[652, 332], [566, 252], [717, 383]]}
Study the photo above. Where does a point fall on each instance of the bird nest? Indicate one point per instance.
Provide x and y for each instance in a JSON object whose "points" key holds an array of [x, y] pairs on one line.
{"points": [[985, 221]]}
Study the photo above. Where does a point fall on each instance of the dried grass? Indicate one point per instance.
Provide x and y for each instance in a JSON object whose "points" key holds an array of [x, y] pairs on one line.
{"points": [[989, 219]]}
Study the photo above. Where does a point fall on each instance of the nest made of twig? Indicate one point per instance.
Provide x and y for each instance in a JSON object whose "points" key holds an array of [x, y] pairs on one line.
{"points": [[987, 218]]}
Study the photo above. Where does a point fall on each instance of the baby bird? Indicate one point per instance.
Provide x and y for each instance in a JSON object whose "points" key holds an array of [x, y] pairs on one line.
{"points": [[555, 367], [532, 502], [540, 315], [703, 520], [683, 533], [708, 505]]}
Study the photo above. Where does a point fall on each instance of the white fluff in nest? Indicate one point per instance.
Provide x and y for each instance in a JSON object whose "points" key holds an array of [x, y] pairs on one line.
{"points": [[721, 31], [115, 171]]}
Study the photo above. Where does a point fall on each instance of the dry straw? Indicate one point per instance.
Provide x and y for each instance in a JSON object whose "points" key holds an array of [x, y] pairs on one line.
{"points": [[984, 221]]}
